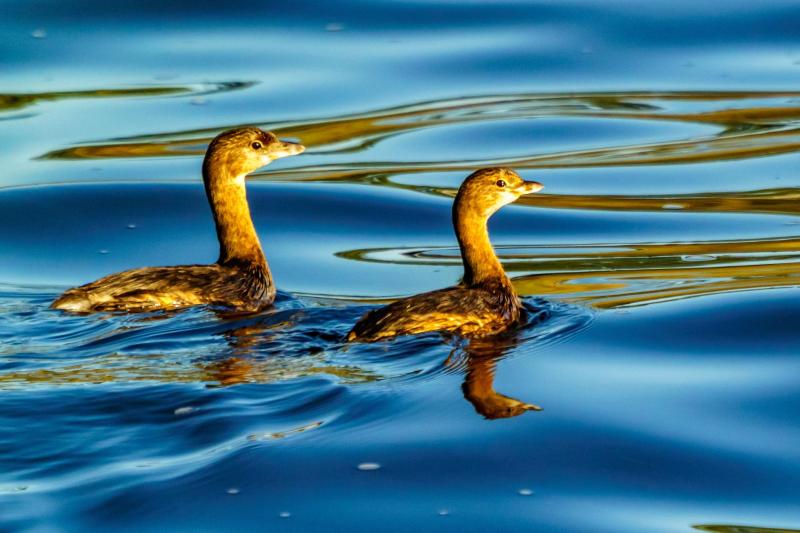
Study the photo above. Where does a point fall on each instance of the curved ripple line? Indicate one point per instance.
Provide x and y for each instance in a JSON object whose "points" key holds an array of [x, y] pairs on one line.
{"points": [[743, 132]]}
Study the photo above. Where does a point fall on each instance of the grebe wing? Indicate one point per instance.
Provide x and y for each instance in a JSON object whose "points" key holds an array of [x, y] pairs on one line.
{"points": [[145, 288], [457, 309]]}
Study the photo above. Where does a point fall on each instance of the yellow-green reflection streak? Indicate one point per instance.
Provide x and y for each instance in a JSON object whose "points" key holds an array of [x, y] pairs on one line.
{"points": [[783, 201], [119, 368], [729, 528], [743, 132], [778, 201], [16, 101], [615, 275]]}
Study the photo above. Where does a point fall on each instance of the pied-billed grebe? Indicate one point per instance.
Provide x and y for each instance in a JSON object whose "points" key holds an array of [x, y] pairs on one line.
{"points": [[240, 280], [484, 303]]}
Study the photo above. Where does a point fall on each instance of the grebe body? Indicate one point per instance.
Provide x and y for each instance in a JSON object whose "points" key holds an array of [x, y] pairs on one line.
{"points": [[485, 302], [240, 280]]}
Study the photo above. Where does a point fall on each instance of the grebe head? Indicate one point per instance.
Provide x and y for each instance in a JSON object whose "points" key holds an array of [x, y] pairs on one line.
{"points": [[488, 189], [241, 151]]}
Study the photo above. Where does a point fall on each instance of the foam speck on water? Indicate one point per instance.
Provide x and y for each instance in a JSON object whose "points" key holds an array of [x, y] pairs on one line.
{"points": [[697, 258]]}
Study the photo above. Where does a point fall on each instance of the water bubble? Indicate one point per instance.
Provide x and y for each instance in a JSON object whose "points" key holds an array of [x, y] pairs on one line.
{"points": [[334, 26], [368, 467], [525, 492], [233, 490], [39, 33], [673, 206], [284, 514], [180, 411]]}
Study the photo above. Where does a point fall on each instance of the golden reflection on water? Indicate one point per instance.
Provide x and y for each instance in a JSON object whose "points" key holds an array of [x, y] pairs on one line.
{"points": [[784, 201], [121, 368], [727, 528], [614, 275], [17, 101], [743, 132], [477, 360]]}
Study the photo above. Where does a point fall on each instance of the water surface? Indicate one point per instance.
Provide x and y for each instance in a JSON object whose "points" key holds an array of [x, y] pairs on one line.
{"points": [[662, 260]]}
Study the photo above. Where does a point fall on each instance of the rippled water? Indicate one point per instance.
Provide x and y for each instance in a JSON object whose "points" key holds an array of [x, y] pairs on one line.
{"points": [[662, 261]]}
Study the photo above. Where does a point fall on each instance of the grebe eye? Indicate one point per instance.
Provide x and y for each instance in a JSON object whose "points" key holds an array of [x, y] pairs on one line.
{"points": [[256, 145], [501, 183]]}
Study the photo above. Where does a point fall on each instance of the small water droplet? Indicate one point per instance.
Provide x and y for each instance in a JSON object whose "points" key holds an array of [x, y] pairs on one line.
{"points": [[368, 467], [525, 492], [180, 411], [233, 490], [673, 206], [284, 514], [39, 33], [334, 26], [697, 258]]}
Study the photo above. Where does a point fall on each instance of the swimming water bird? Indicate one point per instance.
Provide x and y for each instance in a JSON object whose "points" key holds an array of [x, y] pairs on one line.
{"points": [[240, 280], [484, 303]]}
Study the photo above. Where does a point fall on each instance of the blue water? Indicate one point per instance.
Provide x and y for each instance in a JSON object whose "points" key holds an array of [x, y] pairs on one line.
{"points": [[662, 259]]}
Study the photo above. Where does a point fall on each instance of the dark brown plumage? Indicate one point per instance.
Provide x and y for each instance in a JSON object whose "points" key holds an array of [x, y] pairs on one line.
{"points": [[240, 280], [484, 303]]}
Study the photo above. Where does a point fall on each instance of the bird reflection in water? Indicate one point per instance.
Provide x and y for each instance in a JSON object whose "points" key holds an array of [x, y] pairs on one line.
{"points": [[481, 357], [478, 358], [269, 348]]}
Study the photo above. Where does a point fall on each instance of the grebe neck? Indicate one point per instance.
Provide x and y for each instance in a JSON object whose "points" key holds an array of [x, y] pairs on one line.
{"points": [[227, 196], [481, 265]]}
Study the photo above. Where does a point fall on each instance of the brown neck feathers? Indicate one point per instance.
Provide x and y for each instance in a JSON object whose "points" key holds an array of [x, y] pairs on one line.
{"points": [[481, 265], [238, 241]]}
